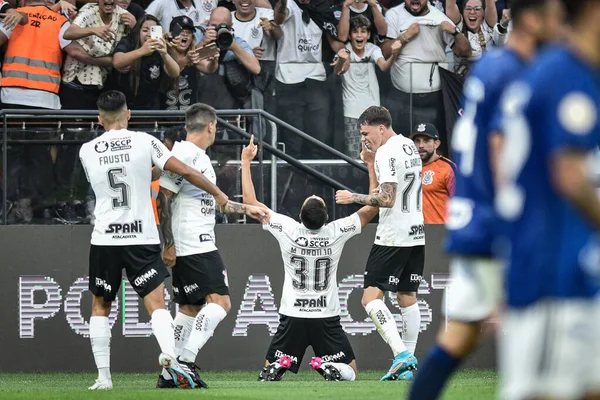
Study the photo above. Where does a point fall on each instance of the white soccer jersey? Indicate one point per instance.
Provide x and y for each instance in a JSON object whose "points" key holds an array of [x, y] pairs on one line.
{"points": [[193, 208], [118, 165], [253, 34], [310, 260], [398, 161]]}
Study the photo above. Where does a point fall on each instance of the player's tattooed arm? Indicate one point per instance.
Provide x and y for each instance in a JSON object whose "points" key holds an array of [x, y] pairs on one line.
{"points": [[232, 207], [259, 213], [163, 206], [385, 198]]}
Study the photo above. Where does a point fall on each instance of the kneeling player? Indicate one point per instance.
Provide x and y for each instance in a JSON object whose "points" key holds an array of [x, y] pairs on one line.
{"points": [[310, 309]]}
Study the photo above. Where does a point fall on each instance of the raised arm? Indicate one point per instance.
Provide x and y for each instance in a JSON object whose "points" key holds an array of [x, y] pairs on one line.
{"points": [[343, 27], [281, 12], [248, 192], [163, 206], [453, 12], [491, 14], [366, 214]]}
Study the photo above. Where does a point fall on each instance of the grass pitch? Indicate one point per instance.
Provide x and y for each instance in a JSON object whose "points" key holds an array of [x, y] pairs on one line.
{"points": [[470, 384]]}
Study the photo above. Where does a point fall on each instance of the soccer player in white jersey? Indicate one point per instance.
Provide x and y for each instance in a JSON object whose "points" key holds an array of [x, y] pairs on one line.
{"points": [[118, 166], [199, 276], [397, 257], [310, 308]]}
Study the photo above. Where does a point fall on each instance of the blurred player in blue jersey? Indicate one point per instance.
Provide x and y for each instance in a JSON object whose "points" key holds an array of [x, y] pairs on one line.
{"points": [[550, 120], [476, 274]]}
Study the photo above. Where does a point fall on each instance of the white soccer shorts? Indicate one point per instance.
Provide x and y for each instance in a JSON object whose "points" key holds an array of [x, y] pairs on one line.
{"points": [[475, 289], [550, 350]]}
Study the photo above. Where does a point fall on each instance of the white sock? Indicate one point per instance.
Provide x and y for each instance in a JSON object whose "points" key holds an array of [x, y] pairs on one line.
{"points": [[411, 321], [204, 326], [346, 371], [183, 327], [100, 338], [386, 325], [162, 328]]}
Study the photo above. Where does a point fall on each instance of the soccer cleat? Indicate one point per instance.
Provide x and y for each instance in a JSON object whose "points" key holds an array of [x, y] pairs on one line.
{"points": [[165, 383], [101, 385], [276, 370], [181, 373], [327, 371], [403, 362], [406, 376]]}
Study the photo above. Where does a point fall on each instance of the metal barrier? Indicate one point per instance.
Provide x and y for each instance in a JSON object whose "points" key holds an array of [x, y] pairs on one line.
{"points": [[60, 119]]}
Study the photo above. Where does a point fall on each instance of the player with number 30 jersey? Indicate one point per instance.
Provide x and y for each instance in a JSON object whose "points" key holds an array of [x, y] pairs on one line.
{"points": [[310, 308]]}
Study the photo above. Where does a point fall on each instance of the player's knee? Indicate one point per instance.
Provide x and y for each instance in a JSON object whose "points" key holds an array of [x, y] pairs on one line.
{"points": [[189, 310], [406, 299], [100, 307], [370, 294], [223, 301], [460, 338]]}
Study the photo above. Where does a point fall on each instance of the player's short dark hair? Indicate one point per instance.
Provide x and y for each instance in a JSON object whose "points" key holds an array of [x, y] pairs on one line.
{"points": [[519, 7], [313, 214], [198, 116], [375, 115], [111, 101], [359, 21]]}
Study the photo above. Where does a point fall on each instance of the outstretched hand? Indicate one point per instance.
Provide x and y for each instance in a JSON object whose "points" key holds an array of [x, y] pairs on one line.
{"points": [[259, 213], [249, 152], [343, 197]]}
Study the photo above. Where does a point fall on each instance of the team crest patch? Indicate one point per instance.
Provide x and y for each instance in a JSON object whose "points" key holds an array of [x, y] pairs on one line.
{"points": [[337, 14], [154, 72], [428, 177], [421, 128], [208, 5], [255, 32]]}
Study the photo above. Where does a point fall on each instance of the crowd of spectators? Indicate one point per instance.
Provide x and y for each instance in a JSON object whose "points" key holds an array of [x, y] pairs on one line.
{"points": [[311, 63]]}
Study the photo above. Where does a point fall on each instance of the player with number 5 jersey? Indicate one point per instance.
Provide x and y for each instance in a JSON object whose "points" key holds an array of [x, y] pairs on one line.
{"points": [[397, 258], [118, 166], [310, 307]]}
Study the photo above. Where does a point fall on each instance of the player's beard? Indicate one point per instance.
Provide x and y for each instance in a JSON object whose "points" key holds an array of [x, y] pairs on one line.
{"points": [[427, 157], [422, 11]]}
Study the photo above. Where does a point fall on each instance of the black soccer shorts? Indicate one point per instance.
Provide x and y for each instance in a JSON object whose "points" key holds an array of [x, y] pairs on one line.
{"points": [[198, 275], [325, 335], [143, 265], [395, 269]]}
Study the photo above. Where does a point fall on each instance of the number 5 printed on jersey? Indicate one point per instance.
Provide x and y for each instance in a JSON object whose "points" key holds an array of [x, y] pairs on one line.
{"points": [[122, 200]]}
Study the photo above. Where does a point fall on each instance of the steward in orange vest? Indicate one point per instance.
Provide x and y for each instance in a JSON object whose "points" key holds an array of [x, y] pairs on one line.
{"points": [[34, 57]]}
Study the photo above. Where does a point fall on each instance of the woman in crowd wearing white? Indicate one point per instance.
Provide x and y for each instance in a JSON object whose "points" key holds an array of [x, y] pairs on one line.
{"points": [[360, 88], [180, 94], [479, 23], [140, 60]]}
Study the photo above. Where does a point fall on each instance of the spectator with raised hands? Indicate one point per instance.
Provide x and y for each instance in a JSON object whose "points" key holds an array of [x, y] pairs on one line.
{"points": [[141, 62], [424, 32], [183, 92], [478, 21], [98, 27], [360, 87], [369, 9]]}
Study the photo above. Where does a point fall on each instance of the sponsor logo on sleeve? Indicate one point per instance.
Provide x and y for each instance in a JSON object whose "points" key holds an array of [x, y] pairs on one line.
{"points": [[157, 149]]}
